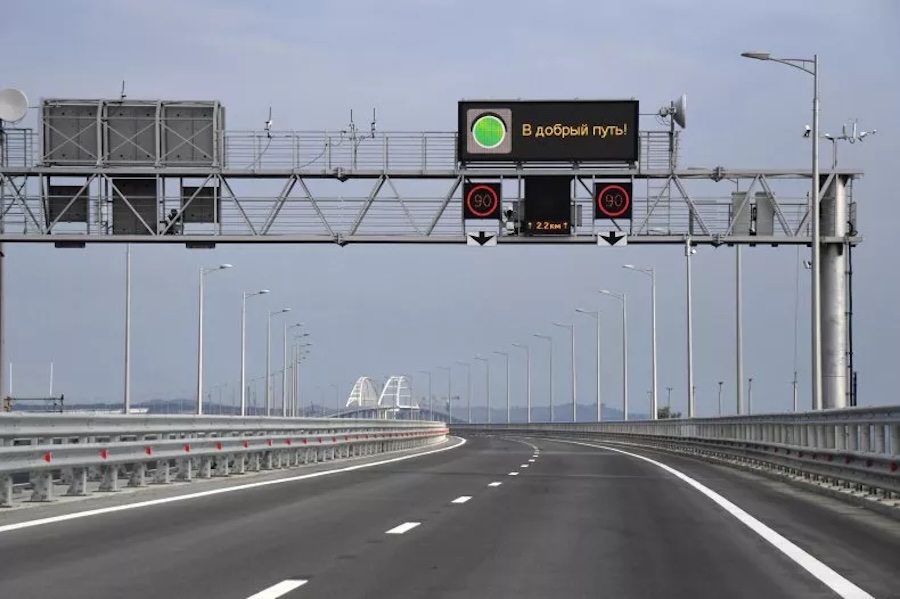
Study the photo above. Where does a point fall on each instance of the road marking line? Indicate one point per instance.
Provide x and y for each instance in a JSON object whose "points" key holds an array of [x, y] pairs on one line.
{"points": [[524, 466], [462, 499], [405, 527], [495, 484], [262, 483], [834, 581], [514, 474], [277, 590], [531, 461]]}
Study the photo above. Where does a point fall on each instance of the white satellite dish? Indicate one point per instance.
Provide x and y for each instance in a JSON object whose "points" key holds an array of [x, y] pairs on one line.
{"points": [[677, 110], [13, 105], [680, 115]]}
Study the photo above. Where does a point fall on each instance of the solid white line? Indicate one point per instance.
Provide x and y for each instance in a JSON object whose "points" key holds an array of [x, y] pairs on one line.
{"points": [[405, 527], [279, 481], [277, 590], [514, 474], [834, 581], [495, 484], [462, 499]]}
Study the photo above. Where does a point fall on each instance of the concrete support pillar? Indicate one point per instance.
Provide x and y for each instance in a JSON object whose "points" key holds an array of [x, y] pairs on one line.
{"points": [[833, 273], [163, 475], [6, 490]]}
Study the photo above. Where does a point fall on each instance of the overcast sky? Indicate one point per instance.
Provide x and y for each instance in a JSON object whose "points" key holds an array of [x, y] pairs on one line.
{"points": [[380, 310]]}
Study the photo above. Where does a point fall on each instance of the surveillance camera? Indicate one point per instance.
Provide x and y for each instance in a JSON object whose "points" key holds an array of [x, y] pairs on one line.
{"points": [[807, 131]]}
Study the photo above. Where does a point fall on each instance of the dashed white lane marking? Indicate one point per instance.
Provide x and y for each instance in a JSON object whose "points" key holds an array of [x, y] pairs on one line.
{"points": [[495, 484], [277, 590], [524, 466], [834, 581], [531, 461], [462, 499], [278, 481], [514, 474], [403, 528]]}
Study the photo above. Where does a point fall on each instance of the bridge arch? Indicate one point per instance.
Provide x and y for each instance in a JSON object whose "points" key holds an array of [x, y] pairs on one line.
{"points": [[397, 393], [364, 394]]}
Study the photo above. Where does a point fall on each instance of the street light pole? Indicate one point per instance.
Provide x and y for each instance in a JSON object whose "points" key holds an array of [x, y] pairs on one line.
{"points": [[508, 409], [203, 273], [811, 67], [550, 342], [449, 370], [269, 358], [688, 251], [571, 328], [596, 315], [127, 405], [430, 405], [244, 297], [487, 384], [720, 398], [624, 299], [284, 374], [468, 390], [651, 272], [527, 380]]}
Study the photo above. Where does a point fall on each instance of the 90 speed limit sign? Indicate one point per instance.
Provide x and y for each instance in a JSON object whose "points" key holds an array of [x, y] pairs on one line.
{"points": [[481, 200], [612, 201]]}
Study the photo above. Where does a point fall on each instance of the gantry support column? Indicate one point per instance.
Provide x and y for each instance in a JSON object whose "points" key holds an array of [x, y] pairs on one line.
{"points": [[833, 279]]}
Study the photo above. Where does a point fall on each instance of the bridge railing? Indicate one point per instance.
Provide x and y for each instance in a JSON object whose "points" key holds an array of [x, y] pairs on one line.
{"points": [[40, 451], [856, 450]]}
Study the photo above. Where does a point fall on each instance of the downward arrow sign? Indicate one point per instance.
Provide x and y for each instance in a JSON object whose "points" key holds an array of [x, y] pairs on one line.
{"points": [[483, 238], [614, 238]]}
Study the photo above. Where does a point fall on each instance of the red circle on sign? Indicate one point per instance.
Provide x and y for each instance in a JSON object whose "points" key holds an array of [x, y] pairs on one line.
{"points": [[482, 213], [626, 204]]}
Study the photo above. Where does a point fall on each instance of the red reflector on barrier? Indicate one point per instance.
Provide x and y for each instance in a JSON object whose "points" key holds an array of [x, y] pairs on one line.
{"points": [[269, 442], [320, 439], [305, 441], [149, 451], [219, 445], [847, 459], [246, 444], [187, 447], [287, 441], [104, 453], [893, 466], [334, 439], [48, 456]]}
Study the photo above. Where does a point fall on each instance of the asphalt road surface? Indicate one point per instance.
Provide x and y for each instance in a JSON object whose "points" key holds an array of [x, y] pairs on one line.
{"points": [[573, 521]]}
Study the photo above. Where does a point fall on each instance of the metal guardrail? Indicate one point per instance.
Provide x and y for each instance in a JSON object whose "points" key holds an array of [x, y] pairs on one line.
{"points": [[856, 448], [75, 449]]}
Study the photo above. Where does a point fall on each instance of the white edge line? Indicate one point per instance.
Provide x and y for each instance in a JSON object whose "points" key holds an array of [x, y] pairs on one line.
{"points": [[277, 590], [210, 492], [462, 499], [834, 581], [495, 484], [403, 528]]}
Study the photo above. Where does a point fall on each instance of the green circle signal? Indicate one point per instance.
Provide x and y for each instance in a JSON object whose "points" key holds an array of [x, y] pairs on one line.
{"points": [[488, 131]]}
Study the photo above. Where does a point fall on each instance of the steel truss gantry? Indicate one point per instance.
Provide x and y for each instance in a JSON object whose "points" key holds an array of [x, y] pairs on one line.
{"points": [[321, 187], [392, 188]]}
